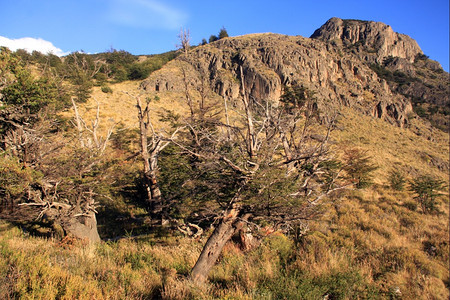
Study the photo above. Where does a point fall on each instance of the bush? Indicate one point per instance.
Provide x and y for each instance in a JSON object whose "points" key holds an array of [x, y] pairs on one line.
{"points": [[82, 86], [411, 205], [24, 90], [421, 56], [138, 71], [427, 189], [213, 38], [396, 180], [101, 79], [359, 168], [420, 111], [106, 89]]}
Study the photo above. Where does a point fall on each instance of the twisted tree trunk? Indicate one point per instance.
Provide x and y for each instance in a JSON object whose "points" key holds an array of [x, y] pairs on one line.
{"points": [[232, 221], [83, 227]]}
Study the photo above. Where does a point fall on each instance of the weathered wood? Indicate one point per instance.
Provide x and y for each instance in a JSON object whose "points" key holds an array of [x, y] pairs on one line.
{"points": [[231, 222], [83, 227], [151, 147]]}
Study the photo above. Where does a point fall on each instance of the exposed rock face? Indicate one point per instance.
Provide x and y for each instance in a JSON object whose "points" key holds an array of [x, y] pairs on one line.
{"points": [[397, 112], [325, 64], [374, 39]]}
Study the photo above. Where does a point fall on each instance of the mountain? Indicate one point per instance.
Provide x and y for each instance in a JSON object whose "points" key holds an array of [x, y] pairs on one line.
{"points": [[399, 60], [360, 64], [371, 41]]}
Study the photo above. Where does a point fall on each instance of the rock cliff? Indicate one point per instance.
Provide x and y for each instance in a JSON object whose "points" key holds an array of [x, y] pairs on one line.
{"points": [[335, 63], [372, 41]]}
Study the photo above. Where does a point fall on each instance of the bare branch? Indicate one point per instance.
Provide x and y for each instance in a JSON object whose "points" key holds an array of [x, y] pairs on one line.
{"points": [[185, 40]]}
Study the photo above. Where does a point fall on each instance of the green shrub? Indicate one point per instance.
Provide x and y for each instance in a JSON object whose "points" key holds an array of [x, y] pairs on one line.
{"points": [[427, 190], [213, 38], [396, 180], [138, 71], [101, 79], [281, 244], [411, 205], [332, 285], [420, 111], [223, 33], [359, 167], [106, 89], [408, 221]]}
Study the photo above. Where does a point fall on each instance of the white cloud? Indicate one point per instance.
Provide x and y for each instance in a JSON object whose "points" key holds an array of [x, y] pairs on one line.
{"points": [[31, 44], [146, 14]]}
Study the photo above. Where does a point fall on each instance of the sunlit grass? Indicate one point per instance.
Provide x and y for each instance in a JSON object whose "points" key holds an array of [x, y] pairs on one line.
{"points": [[371, 243]]}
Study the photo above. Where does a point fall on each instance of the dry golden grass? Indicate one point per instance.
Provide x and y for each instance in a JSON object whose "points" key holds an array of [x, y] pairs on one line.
{"points": [[389, 146], [355, 254], [392, 147], [119, 107], [369, 243]]}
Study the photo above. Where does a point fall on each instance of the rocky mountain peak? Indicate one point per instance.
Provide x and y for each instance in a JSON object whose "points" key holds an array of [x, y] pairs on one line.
{"points": [[374, 40], [360, 64]]}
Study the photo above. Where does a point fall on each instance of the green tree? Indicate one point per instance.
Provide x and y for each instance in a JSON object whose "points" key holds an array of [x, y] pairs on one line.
{"points": [[359, 167], [427, 190], [37, 170], [296, 96], [138, 71], [223, 33], [82, 86], [22, 89], [213, 38], [14, 180]]}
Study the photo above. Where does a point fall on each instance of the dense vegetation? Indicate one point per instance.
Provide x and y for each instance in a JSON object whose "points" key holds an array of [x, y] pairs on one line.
{"points": [[85, 70], [327, 224]]}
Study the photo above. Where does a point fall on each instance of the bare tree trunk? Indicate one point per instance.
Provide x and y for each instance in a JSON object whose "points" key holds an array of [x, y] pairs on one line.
{"points": [[229, 225], [252, 136], [150, 160], [185, 40], [83, 227], [150, 164], [155, 200], [227, 118], [186, 93], [79, 125]]}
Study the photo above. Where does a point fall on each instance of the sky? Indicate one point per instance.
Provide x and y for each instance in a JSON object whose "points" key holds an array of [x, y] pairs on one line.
{"points": [[152, 26]]}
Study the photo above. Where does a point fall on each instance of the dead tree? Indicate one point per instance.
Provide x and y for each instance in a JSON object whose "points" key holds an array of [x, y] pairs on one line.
{"points": [[149, 153], [81, 64], [76, 218], [88, 136], [151, 148], [65, 195], [292, 172], [185, 40]]}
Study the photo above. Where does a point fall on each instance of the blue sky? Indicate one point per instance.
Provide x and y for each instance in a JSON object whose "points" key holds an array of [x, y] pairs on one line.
{"points": [[152, 26]]}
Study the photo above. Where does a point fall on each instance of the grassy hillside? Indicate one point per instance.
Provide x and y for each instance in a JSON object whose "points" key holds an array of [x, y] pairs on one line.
{"points": [[369, 243]]}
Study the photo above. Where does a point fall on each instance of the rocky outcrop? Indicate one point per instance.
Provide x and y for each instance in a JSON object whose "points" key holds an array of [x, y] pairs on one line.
{"points": [[325, 64], [396, 113], [373, 41]]}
